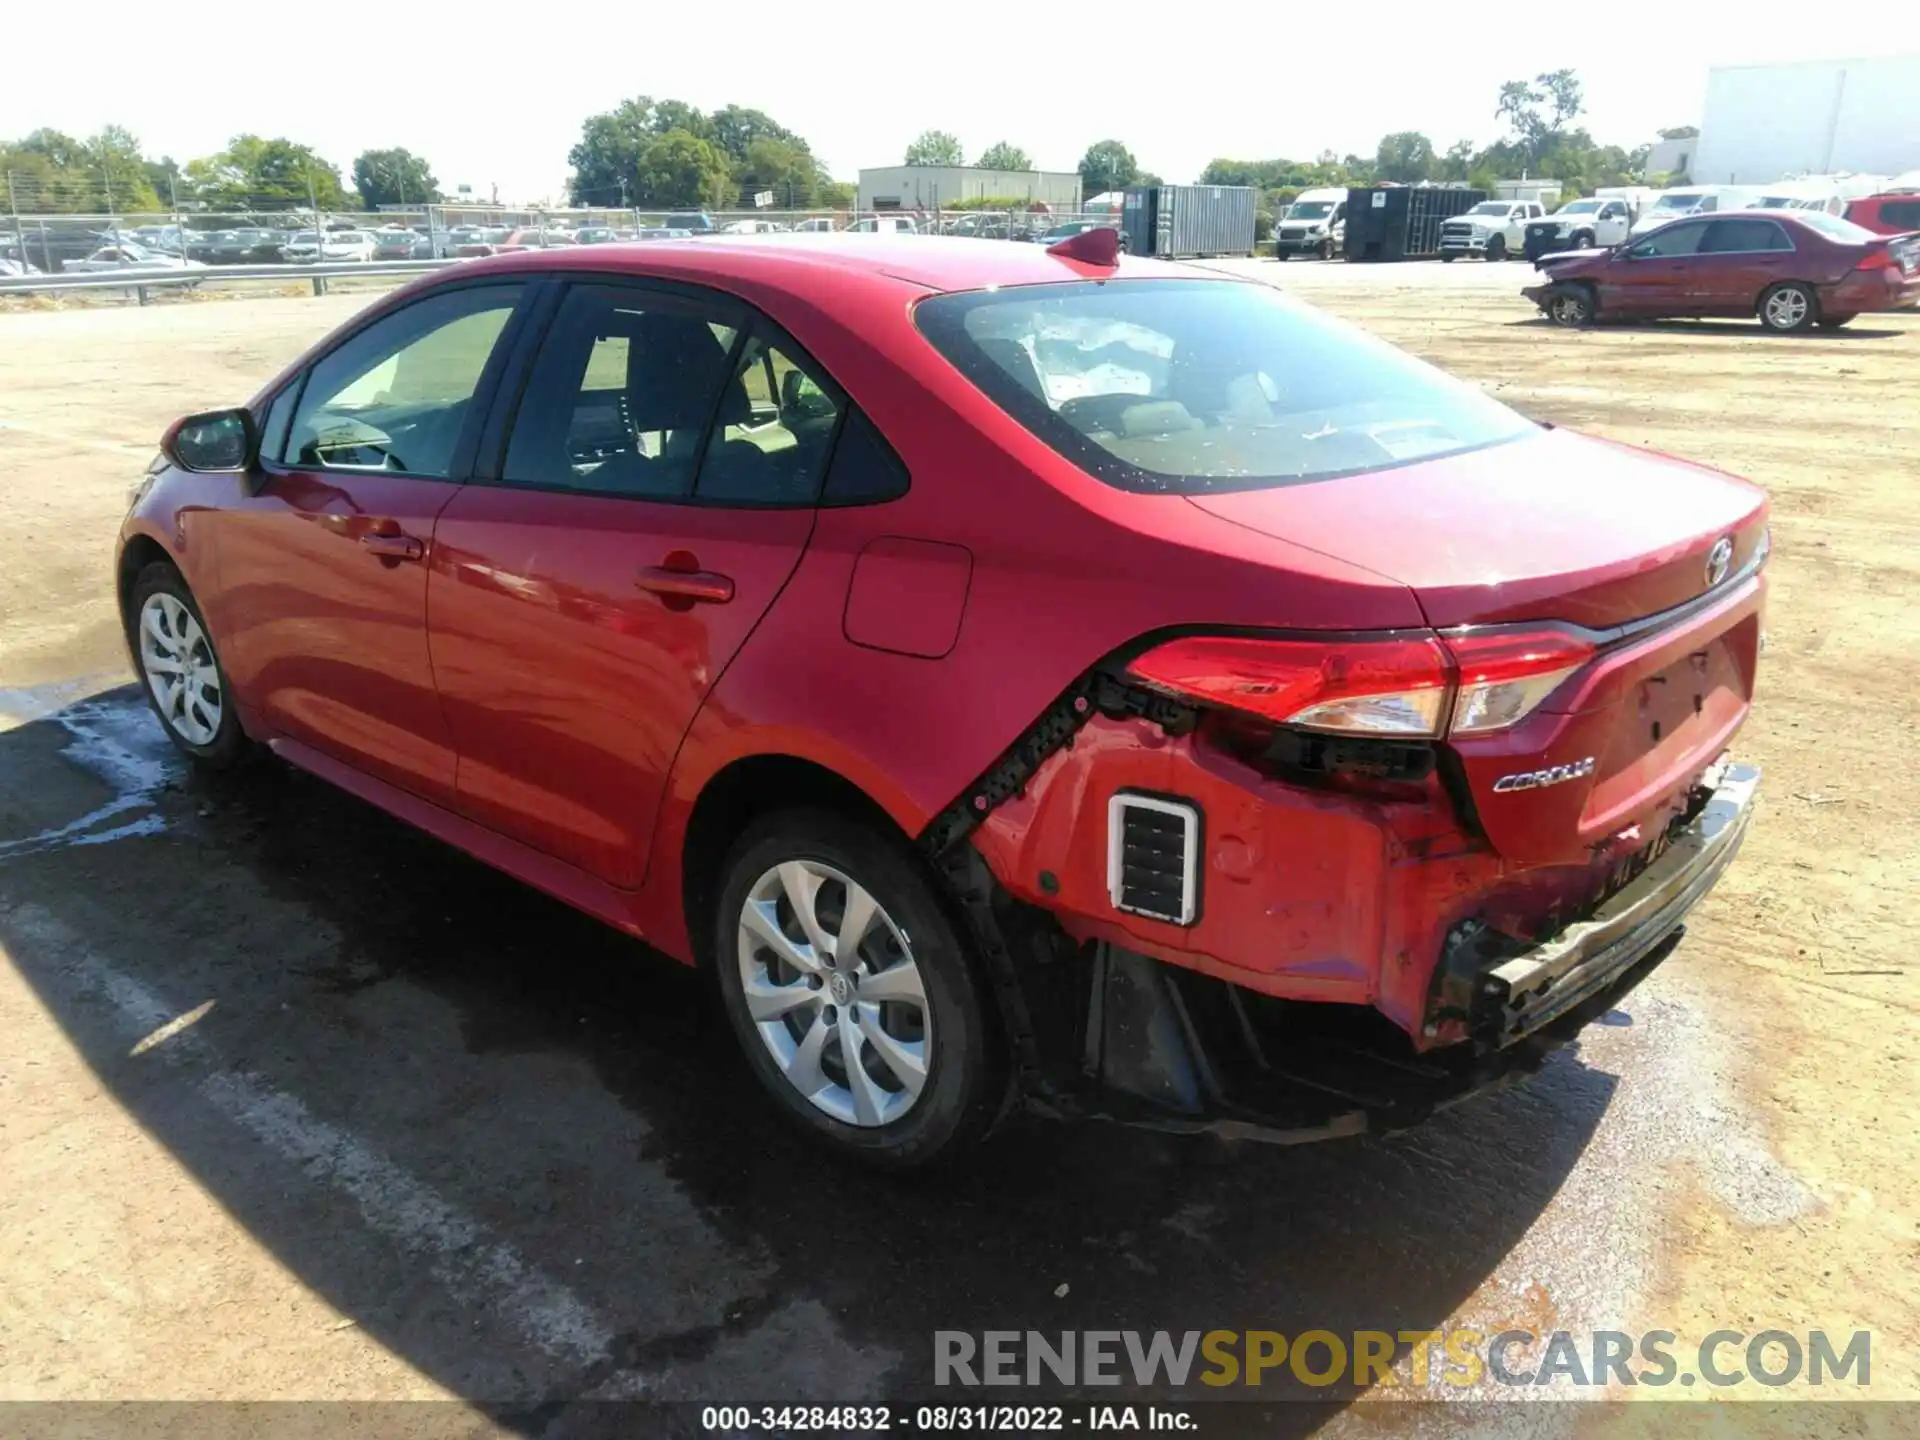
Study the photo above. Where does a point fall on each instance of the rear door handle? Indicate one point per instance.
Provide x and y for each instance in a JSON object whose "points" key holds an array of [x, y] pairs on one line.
{"points": [[393, 546], [688, 586]]}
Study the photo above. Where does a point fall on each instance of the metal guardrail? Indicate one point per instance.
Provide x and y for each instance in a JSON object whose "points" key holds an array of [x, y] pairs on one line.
{"points": [[144, 280]]}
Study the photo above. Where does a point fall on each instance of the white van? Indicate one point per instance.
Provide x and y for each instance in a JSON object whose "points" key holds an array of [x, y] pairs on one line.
{"points": [[1696, 200], [1314, 224], [884, 225]]}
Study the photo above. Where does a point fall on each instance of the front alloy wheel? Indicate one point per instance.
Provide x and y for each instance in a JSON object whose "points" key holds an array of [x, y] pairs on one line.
{"points": [[177, 662], [181, 670], [1570, 305]]}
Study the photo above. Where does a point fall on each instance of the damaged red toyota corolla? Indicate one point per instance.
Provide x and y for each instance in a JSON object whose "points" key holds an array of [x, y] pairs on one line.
{"points": [[1007, 669]]}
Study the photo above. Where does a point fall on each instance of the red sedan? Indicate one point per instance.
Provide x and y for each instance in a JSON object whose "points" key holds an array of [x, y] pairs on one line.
{"points": [[1011, 670], [1792, 269]]}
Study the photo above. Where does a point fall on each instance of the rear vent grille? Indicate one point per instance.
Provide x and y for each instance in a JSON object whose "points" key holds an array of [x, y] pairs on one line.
{"points": [[1153, 857]]}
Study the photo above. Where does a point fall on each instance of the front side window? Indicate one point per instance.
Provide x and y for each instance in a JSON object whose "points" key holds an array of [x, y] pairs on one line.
{"points": [[622, 394], [396, 396], [1674, 240], [1196, 386]]}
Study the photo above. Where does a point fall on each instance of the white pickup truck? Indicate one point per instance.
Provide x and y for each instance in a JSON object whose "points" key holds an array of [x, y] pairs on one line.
{"points": [[1493, 229], [1580, 225]]}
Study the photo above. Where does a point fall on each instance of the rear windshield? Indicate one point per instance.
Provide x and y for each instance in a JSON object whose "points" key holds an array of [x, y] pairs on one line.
{"points": [[1196, 386], [1834, 228]]}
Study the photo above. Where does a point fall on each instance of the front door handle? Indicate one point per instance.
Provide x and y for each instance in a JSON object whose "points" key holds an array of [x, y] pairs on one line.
{"points": [[393, 546], [688, 587]]}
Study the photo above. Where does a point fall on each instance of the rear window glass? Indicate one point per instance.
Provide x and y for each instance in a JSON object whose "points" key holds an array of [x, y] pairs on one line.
{"points": [[1194, 387], [1835, 228]]}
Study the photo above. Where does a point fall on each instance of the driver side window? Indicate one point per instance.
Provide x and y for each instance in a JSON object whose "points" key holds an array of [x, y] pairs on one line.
{"points": [[395, 397]]}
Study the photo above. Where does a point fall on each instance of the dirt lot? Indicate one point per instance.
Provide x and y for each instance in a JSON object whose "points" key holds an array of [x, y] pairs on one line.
{"points": [[437, 1136]]}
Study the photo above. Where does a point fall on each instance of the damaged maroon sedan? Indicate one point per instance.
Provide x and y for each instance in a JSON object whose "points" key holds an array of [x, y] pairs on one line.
{"points": [[1013, 671], [1792, 270]]}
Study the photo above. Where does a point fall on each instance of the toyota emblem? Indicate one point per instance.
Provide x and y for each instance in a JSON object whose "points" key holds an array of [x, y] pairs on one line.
{"points": [[1719, 559]]}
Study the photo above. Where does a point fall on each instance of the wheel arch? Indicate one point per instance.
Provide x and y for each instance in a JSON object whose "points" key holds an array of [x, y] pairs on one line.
{"points": [[139, 551], [742, 791]]}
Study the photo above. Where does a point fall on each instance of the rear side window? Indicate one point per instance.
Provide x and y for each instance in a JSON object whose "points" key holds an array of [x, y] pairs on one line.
{"points": [[772, 435], [1197, 386], [1904, 213], [1732, 237], [621, 395], [1673, 240]]}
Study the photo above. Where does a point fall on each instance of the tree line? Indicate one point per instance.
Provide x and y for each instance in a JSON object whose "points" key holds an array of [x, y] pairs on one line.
{"points": [[652, 153], [49, 173]]}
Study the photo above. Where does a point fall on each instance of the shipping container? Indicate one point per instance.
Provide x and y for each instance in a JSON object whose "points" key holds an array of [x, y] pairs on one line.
{"points": [[1177, 221], [1402, 222]]}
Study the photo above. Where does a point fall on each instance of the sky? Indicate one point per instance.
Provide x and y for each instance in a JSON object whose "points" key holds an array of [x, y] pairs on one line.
{"points": [[493, 94]]}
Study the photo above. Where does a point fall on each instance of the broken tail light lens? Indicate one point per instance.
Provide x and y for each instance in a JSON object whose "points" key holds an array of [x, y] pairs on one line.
{"points": [[1394, 685], [1502, 676]]}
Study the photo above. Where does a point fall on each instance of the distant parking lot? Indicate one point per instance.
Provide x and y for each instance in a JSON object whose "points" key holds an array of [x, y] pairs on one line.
{"points": [[296, 1103]]}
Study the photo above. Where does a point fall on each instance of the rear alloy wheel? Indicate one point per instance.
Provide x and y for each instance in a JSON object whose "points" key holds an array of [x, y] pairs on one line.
{"points": [[852, 994], [1497, 248], [181, 670], [1570, 305], [1787, 308]]}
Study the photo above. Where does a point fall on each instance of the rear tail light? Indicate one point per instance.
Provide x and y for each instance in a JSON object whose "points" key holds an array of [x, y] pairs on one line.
{"points": [[1877, 260], [1389, 686], [1502, 676], [1405, 686]]}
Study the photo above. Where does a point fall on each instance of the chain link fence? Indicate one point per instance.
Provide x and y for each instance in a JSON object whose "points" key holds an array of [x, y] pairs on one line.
{"points": [[90, 243]]}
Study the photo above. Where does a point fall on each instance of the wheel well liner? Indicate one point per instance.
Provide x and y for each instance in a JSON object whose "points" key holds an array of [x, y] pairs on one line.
{"points": [[748, 788], [140, 552]]}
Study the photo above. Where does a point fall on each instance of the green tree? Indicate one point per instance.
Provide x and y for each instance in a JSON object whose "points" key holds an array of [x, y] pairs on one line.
{"points": [[1108, 165], [786, 168], [394, 177], [935, 147], [735, 128], [256, 173], [1405, 156], [834, 194], [681, 169], [52, 172], [672, 115], [1002, 156], [606, 161], [1456, 164], [1538, 112]]}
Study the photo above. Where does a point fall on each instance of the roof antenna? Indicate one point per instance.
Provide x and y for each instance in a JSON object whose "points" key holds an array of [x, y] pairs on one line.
{"points": [[1100, 246]]}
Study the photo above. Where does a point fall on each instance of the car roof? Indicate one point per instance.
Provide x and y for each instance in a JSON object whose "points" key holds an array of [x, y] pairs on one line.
{"points": [[793, 259]]}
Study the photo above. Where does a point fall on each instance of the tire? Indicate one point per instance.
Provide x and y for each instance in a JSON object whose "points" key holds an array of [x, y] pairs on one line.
{"points": [[1570, 306], [1326, 248], [1496, 249], [932, 1074], [1583, 240], [1446, 259], [1282, 255], [180, 670], [1834, 322], [1788, 308]]}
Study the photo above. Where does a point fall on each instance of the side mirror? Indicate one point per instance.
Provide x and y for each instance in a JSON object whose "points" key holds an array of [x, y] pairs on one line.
{"points": [[218, 442]]}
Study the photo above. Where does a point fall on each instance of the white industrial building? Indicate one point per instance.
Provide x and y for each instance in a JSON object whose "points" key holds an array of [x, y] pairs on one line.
{"points": [[1765, 122], [927, 187]]}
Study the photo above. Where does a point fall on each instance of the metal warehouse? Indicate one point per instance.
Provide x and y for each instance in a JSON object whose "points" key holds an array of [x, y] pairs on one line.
{"points": [[926, 187], [1765, 122]]}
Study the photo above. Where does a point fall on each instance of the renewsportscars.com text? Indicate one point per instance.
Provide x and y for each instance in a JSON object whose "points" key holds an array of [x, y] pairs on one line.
{"points": [[1462, 1358]]}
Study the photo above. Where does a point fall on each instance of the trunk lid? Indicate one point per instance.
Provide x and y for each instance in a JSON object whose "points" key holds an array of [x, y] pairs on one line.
{"points": [[1567, 529], [1555, 526]]}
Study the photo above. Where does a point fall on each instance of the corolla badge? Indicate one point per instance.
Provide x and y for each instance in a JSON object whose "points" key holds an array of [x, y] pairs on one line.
{"points": [[1719, 559], [1540, 779]]}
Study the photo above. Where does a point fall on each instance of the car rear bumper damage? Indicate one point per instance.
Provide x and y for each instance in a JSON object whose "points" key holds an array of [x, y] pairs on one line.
{"points": [[1173, 1050]]}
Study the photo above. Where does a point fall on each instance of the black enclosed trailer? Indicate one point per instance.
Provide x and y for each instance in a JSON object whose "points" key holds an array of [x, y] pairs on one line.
{"points": [[1402, 222]]}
